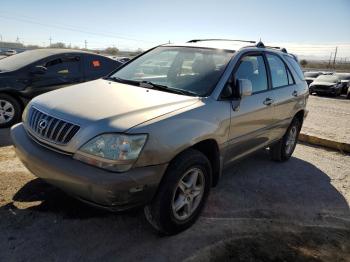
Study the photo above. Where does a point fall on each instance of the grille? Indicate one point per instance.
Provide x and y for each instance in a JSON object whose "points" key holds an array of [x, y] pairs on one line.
{"points": [[321, 87], [50, 128]]}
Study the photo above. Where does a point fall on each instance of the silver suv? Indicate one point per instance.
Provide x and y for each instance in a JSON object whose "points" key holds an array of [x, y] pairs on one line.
{"points": [[159, 130]]}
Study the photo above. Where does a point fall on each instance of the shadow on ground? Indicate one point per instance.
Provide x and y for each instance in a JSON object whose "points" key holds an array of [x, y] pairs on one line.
{"points": [[5, 138], [253, 196]]}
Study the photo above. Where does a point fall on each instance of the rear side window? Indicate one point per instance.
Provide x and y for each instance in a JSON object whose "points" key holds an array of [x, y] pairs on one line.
{"points": [[63, 66], [295, 65], [278, 70], [253, 68]]}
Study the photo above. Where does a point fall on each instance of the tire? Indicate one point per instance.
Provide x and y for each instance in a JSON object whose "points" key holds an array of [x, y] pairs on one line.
{"points": [[283, 149], [160, 212], [10, 111]]}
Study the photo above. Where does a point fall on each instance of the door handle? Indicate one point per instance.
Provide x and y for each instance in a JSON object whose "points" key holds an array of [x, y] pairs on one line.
{"points": [[295, 93], [268, 101]]}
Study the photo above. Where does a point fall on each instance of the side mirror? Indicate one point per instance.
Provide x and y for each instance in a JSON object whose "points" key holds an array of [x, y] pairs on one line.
{"points": [[245, 87], [38, 70]]}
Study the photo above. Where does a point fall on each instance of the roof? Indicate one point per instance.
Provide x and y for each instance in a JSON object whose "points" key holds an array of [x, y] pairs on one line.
{"points": [[226, 44], [27, 57]]}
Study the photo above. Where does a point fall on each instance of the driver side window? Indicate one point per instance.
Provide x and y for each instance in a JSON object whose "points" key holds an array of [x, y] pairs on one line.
{"points": [[252, 68]]}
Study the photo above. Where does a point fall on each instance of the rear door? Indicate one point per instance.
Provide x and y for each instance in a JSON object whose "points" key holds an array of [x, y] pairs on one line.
{"points": [[96, 66], [285, 92], [62, 70], [253, 116]]}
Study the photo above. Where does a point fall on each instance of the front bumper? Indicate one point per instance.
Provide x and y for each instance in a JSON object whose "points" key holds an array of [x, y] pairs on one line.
{"points": [[113, 191], [318, 90]]}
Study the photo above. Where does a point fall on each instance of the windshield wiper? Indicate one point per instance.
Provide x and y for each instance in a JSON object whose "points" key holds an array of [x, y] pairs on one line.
{"points": [[125, 81], [151, 85]]}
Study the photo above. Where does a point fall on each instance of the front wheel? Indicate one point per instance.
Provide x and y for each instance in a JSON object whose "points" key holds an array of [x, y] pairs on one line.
{"points": [[182, 193], [10, 111], [283, 149]]}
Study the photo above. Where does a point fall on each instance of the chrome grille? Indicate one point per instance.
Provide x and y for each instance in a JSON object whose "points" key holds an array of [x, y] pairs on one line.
{"points": [[50, 128]]}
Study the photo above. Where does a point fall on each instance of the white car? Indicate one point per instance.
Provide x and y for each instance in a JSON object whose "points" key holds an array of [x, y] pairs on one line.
{"points": [[10, 52]]}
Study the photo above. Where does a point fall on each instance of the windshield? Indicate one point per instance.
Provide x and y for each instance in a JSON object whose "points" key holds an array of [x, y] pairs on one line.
{"points": [[194, 70], [327, 78], [344, 76], [311, 74], [20, 60]]}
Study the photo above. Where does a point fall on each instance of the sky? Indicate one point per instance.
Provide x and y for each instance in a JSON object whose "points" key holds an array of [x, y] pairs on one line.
{"points": [[306, 27]]}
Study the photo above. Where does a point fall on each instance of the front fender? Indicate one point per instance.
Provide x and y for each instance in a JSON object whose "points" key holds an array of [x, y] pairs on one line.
{"points": [[173, 133]]}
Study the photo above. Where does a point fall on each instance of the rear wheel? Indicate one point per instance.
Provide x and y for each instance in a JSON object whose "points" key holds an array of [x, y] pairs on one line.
{"points": [[181, 194], [283, 149], [10, 110]]}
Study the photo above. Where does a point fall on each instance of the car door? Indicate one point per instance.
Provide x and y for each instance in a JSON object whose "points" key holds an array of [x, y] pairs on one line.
{"points": [[285, 92], [62, 70], [252, 116]]}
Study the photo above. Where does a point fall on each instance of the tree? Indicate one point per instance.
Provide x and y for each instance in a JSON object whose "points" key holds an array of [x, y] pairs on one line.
{"points": [[111, 50], [303, 62], [58, 45]]}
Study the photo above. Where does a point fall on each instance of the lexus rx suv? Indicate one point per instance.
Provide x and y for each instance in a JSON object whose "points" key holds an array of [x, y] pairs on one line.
{"points": [[159, 130]]}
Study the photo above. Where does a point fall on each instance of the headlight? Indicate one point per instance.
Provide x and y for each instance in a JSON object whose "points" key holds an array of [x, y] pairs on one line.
{"points": [[25, 113], [115, 152]]}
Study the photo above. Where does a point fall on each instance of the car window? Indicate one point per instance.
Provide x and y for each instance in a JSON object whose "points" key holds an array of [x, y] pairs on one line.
{"points": [[63, 66], [290, 77], [278, 71], [295, 65], [196, 70], [253, 68]]}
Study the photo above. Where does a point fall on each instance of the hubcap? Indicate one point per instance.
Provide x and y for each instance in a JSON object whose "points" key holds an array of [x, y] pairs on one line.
{"points": [[291, 139], [188, 193], [7, 111]]}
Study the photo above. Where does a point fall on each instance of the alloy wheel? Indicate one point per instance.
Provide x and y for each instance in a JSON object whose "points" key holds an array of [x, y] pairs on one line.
{"points": [[7, 111], [188, 194], [291, 139]]}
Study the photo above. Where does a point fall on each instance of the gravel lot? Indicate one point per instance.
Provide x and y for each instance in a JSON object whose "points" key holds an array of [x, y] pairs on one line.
{"points": [[310, 194], [328, 118], [261, 210]]}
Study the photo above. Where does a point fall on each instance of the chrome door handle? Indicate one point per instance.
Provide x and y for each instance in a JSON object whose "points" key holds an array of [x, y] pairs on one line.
{"points": [[268, 101], [295, 93]]}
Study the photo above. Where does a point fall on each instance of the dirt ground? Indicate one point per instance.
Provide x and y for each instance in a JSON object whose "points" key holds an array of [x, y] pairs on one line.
{"points": [[260, 211], [328, 118]]}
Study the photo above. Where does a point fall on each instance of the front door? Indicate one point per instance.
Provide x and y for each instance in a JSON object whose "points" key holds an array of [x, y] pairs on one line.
{"points": [[61, 71], [252, 116]]}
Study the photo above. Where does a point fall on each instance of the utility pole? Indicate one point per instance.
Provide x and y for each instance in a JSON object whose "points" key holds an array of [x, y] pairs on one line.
{"points": [[50, 39], [85, 44], [335, 56], [330, 58], [17, 39]]}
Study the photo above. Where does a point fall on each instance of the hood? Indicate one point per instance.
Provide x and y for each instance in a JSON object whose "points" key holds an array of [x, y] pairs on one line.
{"points": [[109, 106], [314, 83]]}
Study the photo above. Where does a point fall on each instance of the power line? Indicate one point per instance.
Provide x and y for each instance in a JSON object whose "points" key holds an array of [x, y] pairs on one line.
{"points": [[72, 29]]}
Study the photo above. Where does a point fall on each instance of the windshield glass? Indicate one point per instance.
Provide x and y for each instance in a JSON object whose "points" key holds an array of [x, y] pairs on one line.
{"points": [[195, 70], [327, 78], [344, 76], [311, 74], [20, 60]]}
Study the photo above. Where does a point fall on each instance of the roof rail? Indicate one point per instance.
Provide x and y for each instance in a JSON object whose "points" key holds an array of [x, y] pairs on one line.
{"points": [[261, 45], [201, 40]]}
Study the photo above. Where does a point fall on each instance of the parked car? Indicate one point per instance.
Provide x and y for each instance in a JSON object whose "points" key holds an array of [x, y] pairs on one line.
{"points": [[34, 72], [144, 137], [10, 52], [345, 80], [310, 76], [326, 84]]}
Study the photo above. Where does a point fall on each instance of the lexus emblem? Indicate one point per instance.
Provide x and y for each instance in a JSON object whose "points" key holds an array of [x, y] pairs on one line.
{"points": [[42, 124]]}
